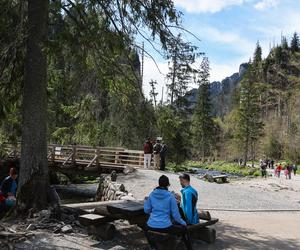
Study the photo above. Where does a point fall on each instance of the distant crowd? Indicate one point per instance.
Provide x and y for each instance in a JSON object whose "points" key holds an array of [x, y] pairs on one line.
{"points": [[288, 169], [155, 152]]}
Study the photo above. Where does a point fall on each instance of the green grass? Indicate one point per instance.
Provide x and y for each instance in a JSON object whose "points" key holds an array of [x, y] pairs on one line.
{"points": [[222, 166]]}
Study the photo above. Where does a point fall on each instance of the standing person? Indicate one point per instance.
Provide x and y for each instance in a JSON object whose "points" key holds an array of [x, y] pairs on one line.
{"points": [[161, 207], [278, 170], [163, 153], [272, 164], [148, 150], [188, 200], [295, 168], [290, 170], [264, 169], [156, 154]]}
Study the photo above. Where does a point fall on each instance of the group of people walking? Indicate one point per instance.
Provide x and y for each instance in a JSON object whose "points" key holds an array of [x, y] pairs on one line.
{"points": [[288, 170], [278, 168], [170, 212], [156, 152]]}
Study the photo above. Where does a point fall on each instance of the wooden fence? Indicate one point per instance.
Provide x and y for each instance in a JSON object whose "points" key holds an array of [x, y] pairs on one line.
{"points": [[84, 156]]}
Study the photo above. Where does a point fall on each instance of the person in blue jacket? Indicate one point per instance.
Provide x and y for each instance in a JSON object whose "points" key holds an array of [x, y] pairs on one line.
{"points": [[188, 201], [162, 207]]}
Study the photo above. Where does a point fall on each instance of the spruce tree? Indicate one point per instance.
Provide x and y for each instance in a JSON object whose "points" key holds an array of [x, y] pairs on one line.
{"points": [[153, 93], [257, 54], [203, 124], [284, 43], [295, 43], [181, 57], [249, 127]]}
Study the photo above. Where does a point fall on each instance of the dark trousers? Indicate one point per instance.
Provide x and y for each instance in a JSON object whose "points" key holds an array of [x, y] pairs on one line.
{"points": [[178, 230], [162, 162]]}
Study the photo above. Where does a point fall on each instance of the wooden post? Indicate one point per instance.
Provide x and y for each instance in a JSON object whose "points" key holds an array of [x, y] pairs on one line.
{"points": [[117, 157], [74, 155], [98, 157], [141, 160], [53, 154]]}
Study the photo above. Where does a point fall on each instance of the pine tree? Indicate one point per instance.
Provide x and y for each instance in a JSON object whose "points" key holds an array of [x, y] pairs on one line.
{"points": [[153, 93], [295, 43], [203, 124], [257, 58], [181, 57], [284, 43], [249, 115]]}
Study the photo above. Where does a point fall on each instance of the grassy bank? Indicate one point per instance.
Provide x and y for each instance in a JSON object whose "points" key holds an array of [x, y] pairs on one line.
{"points": [[222, 166]]}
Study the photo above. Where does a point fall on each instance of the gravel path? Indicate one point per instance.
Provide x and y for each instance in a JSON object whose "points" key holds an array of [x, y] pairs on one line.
{"points": [[253, 194]]}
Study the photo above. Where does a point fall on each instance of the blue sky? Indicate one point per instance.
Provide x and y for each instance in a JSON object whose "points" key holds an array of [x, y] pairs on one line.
{"points": [[229, 30]]}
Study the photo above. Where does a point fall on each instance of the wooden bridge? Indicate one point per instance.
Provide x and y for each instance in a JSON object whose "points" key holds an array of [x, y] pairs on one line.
{"points": [[84, 158]]}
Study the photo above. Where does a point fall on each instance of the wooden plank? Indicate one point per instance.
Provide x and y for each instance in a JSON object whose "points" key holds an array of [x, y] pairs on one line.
{"points": [[92, 219], [128, 208], [91, 205]]}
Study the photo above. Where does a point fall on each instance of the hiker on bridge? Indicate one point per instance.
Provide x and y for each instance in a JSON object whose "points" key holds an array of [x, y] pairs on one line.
{"points": [[188, 200], [148, 150], [156, 154], [161, 206]]}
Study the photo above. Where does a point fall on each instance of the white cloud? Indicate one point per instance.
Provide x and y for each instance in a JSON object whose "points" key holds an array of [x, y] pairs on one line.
{"points": [[226, 37], [266, 4], [206, 5]]}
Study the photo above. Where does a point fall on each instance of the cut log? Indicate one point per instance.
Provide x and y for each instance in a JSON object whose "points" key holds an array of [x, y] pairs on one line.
{"points": [[105, 231], [202, 225], [92, 220], [205, 234]]}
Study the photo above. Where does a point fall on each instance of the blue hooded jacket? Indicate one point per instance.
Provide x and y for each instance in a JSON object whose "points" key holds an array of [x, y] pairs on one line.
{"points": [[189, 198], [162, 205]]}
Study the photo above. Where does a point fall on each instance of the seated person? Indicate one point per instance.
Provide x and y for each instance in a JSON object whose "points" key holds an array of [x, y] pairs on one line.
{"points": [[188, 200], [8, 189], [162, 208]]}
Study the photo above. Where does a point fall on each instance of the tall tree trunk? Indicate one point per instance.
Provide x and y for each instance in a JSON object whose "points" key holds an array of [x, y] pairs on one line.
{"points": [[34, 181]]}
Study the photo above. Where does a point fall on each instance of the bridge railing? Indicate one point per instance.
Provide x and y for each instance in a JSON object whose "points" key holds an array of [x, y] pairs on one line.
{"points": [[85, 156]]}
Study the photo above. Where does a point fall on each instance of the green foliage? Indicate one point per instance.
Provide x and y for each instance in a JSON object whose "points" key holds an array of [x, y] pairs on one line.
{"points": [[175, 133], [273, 148], [222, 166]]}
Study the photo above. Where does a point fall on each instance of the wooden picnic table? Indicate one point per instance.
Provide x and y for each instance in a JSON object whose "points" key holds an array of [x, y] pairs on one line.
{"points": [[133, 211]]}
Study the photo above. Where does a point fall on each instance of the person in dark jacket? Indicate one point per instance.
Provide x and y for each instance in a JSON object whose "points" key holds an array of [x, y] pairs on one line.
{"points": [[162, 207], [148, 150], [163, 153], [8, 189]]}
